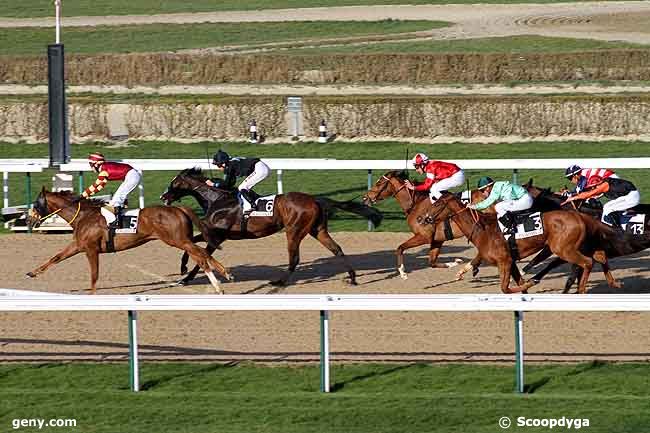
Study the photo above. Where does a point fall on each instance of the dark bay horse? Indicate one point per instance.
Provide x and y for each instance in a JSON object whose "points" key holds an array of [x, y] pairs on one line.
{"points": [[416, 205], [298, 213], [565, 232], [172, 225]]}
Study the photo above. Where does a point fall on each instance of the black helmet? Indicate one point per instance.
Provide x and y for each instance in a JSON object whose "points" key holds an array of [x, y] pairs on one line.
{"points": [[220, 158], [571, 171]]}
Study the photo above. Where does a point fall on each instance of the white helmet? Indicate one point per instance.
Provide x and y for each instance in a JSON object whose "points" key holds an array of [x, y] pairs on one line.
{"points": [[420, 159]]}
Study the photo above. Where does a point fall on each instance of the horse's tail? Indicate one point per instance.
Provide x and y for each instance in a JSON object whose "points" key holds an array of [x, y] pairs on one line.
{"points": [[368, 212]]}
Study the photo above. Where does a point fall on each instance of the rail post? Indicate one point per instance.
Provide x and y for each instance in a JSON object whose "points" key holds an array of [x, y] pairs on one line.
{"points": [[28, 194], [279, 181], [324, 352], [519, 351], [515, 176], [5, 189], [81, 182], [134, 374], [370, 224]]}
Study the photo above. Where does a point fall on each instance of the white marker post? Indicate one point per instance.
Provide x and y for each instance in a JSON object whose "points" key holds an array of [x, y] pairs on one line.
{"points": [[57, 9]]}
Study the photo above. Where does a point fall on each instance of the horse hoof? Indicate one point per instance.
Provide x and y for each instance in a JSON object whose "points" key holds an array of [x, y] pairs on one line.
{"points": [[183, 270], [30, 275], [475, 272], [230, 277], [182, 282], [404, 276], [351, 282]]}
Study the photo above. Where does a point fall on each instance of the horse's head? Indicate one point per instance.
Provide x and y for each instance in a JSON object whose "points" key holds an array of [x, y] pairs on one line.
{"points": [[387, 186], [38, 210], [182, 184]]}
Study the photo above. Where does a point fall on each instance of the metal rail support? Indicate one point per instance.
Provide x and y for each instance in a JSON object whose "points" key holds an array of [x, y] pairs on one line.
{"points": [[279, 181], [519, 351], [324, 351], [81, 182], [134, 373], [5, 189]]}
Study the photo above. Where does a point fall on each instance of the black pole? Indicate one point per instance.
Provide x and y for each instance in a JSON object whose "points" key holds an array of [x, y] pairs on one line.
{"points": [[59, 143]]}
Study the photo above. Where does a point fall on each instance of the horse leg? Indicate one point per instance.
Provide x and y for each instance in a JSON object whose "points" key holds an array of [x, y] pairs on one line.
{"points": [[548, 268], [186, 257], [93, 261], [539, 258], [326, 240], [294, 237], [414, 241], [576, 274], [523, 285], [203, 259], [505, 269], [471, 266], [611, 281], [192, 274], [69, 251], [576, 257]]}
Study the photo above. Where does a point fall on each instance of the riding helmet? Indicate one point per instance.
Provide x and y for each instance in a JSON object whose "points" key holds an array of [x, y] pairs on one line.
{"points": [[484, 182], [573, 170], [420, 159], [220, 158], [95, 159]]}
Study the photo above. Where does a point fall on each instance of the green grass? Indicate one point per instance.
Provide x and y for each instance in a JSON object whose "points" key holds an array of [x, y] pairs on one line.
{"points": [[340, 185], [171, 37], [43, 8], [374, 398], [510, 44]]}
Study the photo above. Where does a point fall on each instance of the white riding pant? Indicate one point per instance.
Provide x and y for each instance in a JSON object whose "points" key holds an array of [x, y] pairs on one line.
{"points": [[456, 179], [623, 203], [131, 181], [522, 203], [260, 173]]}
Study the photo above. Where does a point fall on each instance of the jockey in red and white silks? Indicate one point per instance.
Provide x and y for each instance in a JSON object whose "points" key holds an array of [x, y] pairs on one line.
{"points": [[440, 176]]}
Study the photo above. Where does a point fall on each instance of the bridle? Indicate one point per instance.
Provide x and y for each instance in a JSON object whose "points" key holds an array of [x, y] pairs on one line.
{"points": [[51, 214], [383, 188], [474, 213]]}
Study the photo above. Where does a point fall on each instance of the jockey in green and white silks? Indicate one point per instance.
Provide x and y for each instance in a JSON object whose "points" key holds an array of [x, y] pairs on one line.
{"points": [[508, 197]]}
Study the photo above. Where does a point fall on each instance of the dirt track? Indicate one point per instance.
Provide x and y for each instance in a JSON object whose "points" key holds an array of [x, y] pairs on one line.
{"points": [[294, 336]]}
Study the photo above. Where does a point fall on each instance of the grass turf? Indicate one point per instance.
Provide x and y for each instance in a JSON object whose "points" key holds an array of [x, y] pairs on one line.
{"points": [[339, 185], [510, 44], [368, 397], [171, 37], [44, 8]]}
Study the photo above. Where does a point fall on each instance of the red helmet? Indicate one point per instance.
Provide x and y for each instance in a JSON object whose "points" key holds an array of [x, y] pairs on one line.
{"points": [[594, 180], [420, 159], [95, 159]]}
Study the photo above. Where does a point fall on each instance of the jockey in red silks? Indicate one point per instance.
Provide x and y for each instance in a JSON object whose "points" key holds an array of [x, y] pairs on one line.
{"points": [[441, 176], [108, 170]]}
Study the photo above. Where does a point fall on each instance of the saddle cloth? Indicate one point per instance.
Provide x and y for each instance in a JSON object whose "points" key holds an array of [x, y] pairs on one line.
{"points": [[129, 220], [633, 223], [527, 223], [263, 206]]}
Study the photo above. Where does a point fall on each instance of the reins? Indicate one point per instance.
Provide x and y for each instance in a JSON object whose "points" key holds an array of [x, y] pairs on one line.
{"points": [[41, 219]]}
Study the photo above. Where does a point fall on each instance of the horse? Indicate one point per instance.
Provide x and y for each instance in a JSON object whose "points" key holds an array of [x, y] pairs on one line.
{"points": [[172, 225], [416, 206], [565, 232], [299, 213], [613, 243]]}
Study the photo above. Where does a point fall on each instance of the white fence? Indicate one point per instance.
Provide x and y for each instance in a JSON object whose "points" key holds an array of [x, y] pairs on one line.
{"points": [[17, 301]]}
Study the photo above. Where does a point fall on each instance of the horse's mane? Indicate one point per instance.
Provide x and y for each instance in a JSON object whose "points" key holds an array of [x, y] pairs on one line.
{"points": [[85, 203], [194, 172]]}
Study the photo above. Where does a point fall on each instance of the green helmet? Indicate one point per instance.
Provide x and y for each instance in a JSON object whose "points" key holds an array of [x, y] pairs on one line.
{"points": [[484, 182]]}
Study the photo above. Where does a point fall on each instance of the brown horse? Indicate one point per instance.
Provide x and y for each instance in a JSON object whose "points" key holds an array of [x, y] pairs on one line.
{"points": [[172, 225], [298, 213], [416, 206], [565, 232]]}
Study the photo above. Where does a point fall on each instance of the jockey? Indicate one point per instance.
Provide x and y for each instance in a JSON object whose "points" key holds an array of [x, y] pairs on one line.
{"points": [[254, 170], [621, 193], [510, 197], [441, 176], [108, 170], [580, 176]]}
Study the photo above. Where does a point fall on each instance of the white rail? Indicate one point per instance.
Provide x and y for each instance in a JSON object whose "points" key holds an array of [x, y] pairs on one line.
{"points": [[16, 301]]}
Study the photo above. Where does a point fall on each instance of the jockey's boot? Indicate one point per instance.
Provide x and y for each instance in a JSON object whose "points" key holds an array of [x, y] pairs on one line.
{"points": [[615, 218], [118, 218], [508, 221]]}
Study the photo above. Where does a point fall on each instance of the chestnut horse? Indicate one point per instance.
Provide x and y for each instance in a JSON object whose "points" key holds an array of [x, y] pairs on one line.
{"points": [[172, 225], [416, 206], [298, 213], [565, 232]]}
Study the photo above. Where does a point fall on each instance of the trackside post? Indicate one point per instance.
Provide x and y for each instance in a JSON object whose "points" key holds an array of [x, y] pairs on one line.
{"points": [[519, 351], [134, 373], [324, 352]]}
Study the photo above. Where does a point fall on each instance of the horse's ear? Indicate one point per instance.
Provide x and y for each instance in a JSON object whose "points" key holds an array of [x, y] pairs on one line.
{"points": [[404, 174], [530, 183]]}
